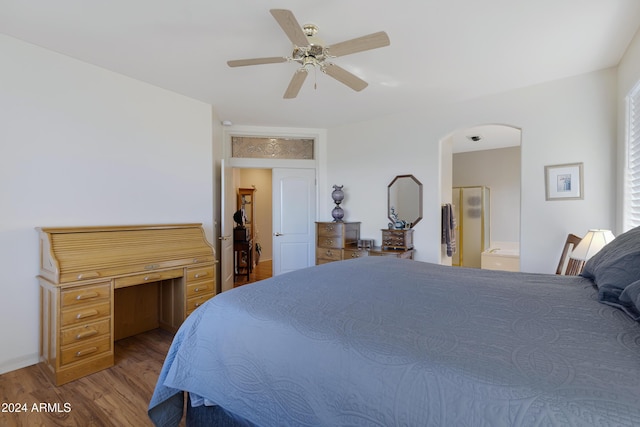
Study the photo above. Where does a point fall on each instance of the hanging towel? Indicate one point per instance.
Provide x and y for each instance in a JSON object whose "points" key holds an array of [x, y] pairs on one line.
{"points": [[448, 229]]}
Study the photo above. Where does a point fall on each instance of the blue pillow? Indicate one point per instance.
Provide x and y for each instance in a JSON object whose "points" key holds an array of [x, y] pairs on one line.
{"points": [[616, 267]]}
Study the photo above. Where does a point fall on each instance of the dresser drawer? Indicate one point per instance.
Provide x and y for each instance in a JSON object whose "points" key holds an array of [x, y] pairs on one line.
{"points": [[194, 274], [78, 353], [355, 253], [199, 288], [328, 229], [86, 295], [74, 316], [78, 334], [329, 254], [330, 242]]}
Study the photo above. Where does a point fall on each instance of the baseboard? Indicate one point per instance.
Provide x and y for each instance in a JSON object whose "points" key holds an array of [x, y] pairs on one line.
{"points": [[18, 363]]}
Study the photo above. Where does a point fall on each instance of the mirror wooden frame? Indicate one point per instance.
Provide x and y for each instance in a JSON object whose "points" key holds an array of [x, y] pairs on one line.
{"points": [[397, 181]]}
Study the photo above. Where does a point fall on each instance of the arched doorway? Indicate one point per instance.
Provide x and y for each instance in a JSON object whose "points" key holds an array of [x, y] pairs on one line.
{"points": [[485, 156]]}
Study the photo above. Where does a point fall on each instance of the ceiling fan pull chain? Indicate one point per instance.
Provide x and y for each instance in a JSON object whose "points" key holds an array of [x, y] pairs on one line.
{"points": [[315, 78]]}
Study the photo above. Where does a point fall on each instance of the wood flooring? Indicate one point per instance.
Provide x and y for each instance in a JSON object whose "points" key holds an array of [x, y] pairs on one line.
{"points": [[118, 396], [262, 271]]}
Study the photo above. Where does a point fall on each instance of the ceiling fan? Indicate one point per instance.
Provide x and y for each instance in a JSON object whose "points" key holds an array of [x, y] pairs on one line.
{"points": [[310, 51]]}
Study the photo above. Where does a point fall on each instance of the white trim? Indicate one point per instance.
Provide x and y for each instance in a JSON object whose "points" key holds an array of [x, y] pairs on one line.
{"points": [[19, 363], [318, 163], [631, 200]]}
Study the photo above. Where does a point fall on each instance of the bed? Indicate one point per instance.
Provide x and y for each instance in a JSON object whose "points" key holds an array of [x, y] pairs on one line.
{"points": [[381, 341]]}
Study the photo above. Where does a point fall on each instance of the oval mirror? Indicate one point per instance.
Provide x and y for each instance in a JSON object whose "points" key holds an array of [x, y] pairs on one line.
{"points": [[404, 201]]}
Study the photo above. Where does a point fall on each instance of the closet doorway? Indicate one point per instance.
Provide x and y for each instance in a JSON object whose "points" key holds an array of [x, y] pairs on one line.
{"points": [[260, 180], [285, 210]]}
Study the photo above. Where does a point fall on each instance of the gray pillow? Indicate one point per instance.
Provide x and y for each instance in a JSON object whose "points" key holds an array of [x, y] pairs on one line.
{"points": [[630, 300], [615, 267]]}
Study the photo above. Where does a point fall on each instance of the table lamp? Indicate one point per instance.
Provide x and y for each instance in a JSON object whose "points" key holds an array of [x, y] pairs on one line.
{"points": [[591, 243]]}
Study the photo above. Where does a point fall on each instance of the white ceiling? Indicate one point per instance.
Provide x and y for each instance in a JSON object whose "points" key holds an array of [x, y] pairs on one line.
{"points": [[441, 50], [485, 137]]}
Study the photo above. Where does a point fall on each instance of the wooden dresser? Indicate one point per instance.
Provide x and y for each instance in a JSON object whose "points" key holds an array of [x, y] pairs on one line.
{"points": [[100, 284], [332, 238]]}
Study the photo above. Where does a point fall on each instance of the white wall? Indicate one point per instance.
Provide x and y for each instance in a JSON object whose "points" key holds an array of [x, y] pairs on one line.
{"points": [[565, 121], [628, 77], [84, 146]]}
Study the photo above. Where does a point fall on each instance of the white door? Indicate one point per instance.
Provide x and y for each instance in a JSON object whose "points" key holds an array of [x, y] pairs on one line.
{"points": [[227, 207], [294, 214]]}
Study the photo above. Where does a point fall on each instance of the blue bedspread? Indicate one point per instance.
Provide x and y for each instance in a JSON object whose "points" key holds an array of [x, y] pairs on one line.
{"points": [[381, 341]]}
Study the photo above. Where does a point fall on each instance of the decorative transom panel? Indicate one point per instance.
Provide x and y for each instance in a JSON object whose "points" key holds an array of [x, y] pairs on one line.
{"points": [[271, 148]]}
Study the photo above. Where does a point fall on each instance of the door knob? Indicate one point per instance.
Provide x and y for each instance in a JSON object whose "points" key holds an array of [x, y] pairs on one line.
{"points": [[277, 234], [224, 237]]}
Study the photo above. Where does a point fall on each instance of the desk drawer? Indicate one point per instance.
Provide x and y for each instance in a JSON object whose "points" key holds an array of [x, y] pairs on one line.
{"points": [[195, 302], [78, 334], [194, 274], [86, 295], [80, 352], [199, 288], [152, 276], [86, 314]]}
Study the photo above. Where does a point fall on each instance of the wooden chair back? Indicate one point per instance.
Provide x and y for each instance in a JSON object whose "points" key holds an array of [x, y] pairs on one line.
{"points": [[568, 266]]}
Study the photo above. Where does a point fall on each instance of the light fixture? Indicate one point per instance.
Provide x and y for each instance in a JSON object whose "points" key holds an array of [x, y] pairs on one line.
{"points": [[226, 123], [591, 244]]}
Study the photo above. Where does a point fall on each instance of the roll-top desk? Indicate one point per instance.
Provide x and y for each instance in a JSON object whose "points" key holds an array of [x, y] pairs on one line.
{"points": [[100, 284]]}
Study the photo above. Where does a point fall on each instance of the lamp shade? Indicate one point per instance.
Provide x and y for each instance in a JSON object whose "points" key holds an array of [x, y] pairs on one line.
{"points": [[591, 244]]}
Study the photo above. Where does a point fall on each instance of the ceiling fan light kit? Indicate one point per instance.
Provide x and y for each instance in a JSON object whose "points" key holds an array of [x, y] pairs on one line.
{"points": [[310, 51]]}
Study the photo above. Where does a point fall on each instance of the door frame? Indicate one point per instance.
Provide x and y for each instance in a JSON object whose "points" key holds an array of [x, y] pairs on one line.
{"points": [[318, 163]]}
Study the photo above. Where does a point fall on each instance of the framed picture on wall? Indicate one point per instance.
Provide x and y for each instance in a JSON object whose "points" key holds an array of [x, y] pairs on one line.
{"points": [[564, 182]]}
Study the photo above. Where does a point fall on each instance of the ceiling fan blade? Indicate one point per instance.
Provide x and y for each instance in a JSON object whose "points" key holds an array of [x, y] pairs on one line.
{"points": [[256, 61], [371, 41], [345, 77], [296, 83], [290, 26]]}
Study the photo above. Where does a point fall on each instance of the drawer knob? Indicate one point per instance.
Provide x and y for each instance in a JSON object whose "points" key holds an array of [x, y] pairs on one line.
{"points": [[87, 295], [88, 275], [88, 313], [199, 275], [86, 334], [152, 277], [201, 289], [86, 351]]}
